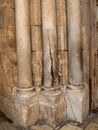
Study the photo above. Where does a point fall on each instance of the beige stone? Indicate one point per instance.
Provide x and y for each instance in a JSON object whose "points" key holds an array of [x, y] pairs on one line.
{"points": [[9, 110], [11, 2], [92, 126], [49, 43], [1, 102], [52, 107], [7, 15], [36, 38], [23, 43], [37, 68], [35, 10], [41, 127], [63, 67], [70, 127], [27, 106]]}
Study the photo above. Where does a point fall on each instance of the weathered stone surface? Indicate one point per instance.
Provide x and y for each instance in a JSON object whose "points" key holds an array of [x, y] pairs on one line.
{"points": [[96, 120], [35, 9], [52, 107], [25, 110], [74, 42], [27, 106], [8, 61], [92, 126], [11, 2], [61, 12], [36, 38], [70, 127], [62, 38], [86, 65], [7, 15], [43, 127], [6, 124], [1, 102], [37, 68], [7, 39], [49, 43], [63, 67], [23, 43], [9, 110], [8, 67], [77, 103]]}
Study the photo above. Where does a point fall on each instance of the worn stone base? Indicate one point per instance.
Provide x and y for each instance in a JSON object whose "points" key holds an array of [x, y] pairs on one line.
{"points": [[27, 106], [77, 103], [52, 107], [23, 109]]}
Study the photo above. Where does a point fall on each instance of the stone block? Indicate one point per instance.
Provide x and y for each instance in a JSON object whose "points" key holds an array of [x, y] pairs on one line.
{"points": [[7, 39], [52, 107], [23, 110], [27, 107], [8, 73], [77, 103], [7, 17], [9, 110]]}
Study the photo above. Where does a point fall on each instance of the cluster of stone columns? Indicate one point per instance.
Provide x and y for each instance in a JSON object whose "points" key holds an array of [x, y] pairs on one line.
{"points": [[52, 101]]}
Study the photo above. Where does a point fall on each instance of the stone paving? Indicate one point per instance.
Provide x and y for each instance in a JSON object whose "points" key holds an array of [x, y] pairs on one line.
{"points": [[90, 124]]}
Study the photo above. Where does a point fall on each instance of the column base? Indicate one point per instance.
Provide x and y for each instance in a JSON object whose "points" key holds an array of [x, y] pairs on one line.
{"points": [[27, 106], [52, 107], [77, 102]]}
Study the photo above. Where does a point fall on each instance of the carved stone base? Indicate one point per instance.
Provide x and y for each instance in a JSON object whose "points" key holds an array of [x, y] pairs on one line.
{"points": [[77, 102], [27, 106], [52, 107]]}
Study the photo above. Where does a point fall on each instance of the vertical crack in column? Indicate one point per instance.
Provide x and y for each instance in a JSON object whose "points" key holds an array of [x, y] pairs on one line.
{"points": [[49, 43]]}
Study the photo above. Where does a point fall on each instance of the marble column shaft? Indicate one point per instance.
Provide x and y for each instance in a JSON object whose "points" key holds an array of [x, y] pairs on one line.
{"points": [[74, 42], [77, 94], [23, 43]]}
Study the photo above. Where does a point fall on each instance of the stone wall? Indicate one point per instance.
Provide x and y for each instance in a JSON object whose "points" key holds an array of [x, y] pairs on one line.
{"points": [[50, 41], [8, 66]]}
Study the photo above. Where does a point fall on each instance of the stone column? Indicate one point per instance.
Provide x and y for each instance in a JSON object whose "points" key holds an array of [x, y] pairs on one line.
{"points": [[25, 98], [77, 92], [52, 104], [86, 33], [61, 6], [23, 44], [49, 43], [36, 37]]}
